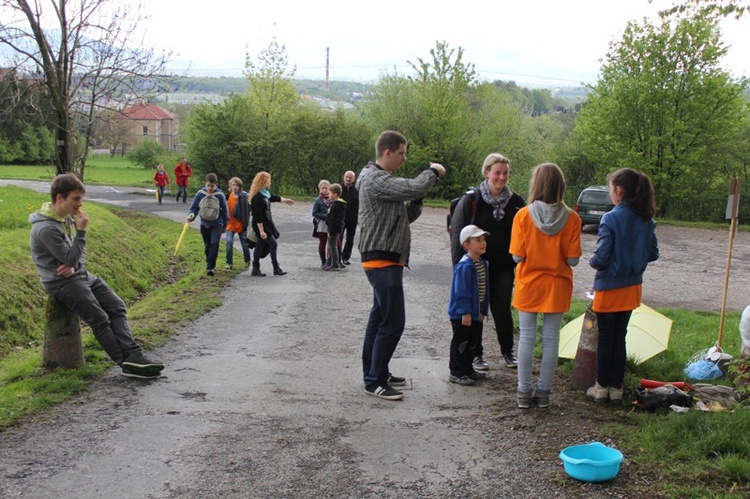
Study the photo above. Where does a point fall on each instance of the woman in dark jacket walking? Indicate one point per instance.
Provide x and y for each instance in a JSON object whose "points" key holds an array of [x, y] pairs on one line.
{"points": [[262, 221], [492, 206]]}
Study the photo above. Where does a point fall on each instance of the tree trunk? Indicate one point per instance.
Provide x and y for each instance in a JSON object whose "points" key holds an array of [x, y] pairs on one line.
{"points": [[64, 152], [62, 337]]}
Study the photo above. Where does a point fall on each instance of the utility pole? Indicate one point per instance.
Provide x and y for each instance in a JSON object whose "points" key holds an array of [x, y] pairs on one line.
{"points": [[328, 51]]}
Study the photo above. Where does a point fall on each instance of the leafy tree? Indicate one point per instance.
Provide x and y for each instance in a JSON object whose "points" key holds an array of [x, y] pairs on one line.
{"points": [[84, 51], [664, 105], [432, 109], [24, 133], [147, 154]]}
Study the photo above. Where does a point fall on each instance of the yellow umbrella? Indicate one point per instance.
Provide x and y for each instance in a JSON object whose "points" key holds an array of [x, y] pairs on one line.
{"points": [[156, 194], [182, 236], [648, 335]]}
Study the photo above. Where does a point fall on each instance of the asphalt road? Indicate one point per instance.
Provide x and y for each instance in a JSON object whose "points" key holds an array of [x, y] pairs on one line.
{"points": [[263, 396]]}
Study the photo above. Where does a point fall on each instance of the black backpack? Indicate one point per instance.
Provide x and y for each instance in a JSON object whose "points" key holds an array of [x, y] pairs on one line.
{"points": [[474, 192]]}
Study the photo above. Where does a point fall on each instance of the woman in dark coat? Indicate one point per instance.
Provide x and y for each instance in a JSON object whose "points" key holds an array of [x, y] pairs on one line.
{"points": [[492, 206], [262, 221]]}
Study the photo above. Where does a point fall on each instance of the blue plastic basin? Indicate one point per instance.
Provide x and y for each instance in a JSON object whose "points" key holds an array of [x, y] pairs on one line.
{"points": [[594, 462]]}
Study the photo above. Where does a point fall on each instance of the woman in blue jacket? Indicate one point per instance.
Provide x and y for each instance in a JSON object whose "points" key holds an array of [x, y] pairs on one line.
{"points": [[627, 243]]}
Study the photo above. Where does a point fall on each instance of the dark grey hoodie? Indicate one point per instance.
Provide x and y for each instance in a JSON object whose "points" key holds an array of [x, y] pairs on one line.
{"points": [[52, 244]]}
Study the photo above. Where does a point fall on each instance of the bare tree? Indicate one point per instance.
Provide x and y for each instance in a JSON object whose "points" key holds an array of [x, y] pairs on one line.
{"points": [[88, 56]]}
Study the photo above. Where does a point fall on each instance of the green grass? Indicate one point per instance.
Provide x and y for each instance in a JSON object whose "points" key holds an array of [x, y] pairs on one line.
{"points": [[695, 454], [100, 170], [133, 252]]}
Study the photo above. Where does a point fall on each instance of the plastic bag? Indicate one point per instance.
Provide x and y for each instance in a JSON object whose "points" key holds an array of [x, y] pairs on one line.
{"points": [[703, 369]]}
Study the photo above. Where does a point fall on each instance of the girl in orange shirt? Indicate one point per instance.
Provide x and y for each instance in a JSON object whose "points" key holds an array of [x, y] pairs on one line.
{"points": [[239, 220], [546, 243]]}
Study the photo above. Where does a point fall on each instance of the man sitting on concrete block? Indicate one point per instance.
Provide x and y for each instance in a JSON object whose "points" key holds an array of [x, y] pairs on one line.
{"points": [[59, 255]]}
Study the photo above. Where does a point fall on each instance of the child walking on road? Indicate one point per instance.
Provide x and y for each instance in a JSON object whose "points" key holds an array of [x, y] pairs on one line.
{"points": [[210, 205], [161, 180], [335, 220], [238, 208], [627, 243], [468, 305], [546, 243]]}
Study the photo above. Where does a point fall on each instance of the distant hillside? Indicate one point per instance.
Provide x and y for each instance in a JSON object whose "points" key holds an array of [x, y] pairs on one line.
{"points": [[338, 90], [348, 91]]}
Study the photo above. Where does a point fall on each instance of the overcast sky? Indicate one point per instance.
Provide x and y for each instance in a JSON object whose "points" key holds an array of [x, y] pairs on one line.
{"points": [[532, 42]]}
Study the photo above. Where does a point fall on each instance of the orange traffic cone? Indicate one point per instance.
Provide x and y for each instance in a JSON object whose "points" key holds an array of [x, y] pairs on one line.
{"points": [[584, 365]]}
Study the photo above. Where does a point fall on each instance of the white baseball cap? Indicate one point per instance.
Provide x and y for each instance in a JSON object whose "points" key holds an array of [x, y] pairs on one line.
{"points": [[471, 231]]}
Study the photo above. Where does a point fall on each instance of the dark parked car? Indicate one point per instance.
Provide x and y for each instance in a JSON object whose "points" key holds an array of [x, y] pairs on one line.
{"points": [[593, 202]]}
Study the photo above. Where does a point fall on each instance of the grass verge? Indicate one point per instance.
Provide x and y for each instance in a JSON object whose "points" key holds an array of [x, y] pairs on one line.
{"points": [[133, 252]]}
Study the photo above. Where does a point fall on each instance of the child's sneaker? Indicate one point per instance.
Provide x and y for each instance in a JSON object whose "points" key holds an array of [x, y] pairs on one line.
{"points": [[476, 376], [480, 364], [461, 380], [615, 394], [541, 397], [523, 399], [598, 393]]}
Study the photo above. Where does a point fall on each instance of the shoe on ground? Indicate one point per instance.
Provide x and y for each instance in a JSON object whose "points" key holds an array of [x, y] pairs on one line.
{"points": [[523, 399], [130, 372], [345, 262], [615, 394], [480, 364], [598, 393], [510, 360], [229, 266], [138, 365], [384, 392], [476, 375], [461, 380], [541, 398], [396, 381], [210, 272]]}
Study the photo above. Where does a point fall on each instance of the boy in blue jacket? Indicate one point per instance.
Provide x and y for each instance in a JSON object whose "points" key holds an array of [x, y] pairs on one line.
{"points": [[468, 305], [210, 205]]}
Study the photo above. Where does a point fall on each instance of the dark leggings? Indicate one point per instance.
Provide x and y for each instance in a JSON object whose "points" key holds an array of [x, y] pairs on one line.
{"points": [[610, 350]]}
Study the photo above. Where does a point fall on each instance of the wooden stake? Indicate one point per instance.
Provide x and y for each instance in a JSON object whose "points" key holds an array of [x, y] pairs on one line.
{"points": [[734, 192]]}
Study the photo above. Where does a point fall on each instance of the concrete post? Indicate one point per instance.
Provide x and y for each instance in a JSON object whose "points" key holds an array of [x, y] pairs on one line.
{"points": [[584, 365], [62, 337]]}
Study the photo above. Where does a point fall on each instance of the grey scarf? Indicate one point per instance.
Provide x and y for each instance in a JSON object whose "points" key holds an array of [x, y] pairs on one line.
{"points": [[498, 203]]}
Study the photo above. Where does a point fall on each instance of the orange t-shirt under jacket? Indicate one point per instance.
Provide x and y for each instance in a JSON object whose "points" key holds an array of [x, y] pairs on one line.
{"points": [[544, 280]]}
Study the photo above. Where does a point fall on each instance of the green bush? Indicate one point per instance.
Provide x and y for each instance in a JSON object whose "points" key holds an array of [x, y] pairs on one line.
{"points": [[147, 155]]}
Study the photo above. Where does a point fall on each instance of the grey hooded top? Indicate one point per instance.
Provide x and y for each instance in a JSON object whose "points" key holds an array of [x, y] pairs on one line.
{"points": [[550, 219]]}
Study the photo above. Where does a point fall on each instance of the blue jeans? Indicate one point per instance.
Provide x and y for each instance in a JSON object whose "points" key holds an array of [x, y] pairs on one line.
{"points": [[550, 346], [230, 246], [160, 190], [182, 189], [211, 238], [385, 325], [99, 307], [610, 350]]}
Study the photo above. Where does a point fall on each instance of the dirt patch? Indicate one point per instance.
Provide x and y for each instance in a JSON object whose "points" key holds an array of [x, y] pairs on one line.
{"points": [[263, 396]]}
